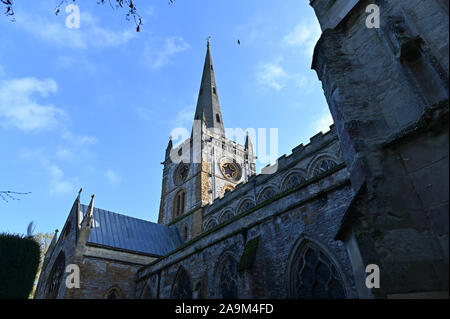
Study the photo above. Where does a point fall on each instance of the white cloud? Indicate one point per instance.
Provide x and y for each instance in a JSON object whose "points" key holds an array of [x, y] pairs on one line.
{"points": [[66, 62], [79, 64], [323, 123], [112, 176], [56, 166], [79, 140], [304, 35], [64, 153], [185, 116], [90, 34], [301, 80], [272, 74], [19, 108], [35, 155], [58, 184], [156, 57]]}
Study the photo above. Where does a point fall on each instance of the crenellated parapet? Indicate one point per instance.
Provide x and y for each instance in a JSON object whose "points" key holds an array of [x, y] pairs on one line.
{"points": [[303, 165]]}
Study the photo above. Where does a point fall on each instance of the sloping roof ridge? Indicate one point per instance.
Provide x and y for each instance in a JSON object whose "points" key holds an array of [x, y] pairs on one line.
{"points": [[111, 212]]}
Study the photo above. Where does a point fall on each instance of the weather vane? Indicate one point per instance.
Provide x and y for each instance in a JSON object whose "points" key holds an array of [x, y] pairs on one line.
{"points": [[208, 38]]}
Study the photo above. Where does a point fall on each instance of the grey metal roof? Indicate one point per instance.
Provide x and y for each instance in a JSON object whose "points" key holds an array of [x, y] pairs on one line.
{"points": [[132, 234]]}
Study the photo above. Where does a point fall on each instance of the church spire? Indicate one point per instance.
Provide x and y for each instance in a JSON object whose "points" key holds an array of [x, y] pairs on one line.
{"points": [[208, 106]]}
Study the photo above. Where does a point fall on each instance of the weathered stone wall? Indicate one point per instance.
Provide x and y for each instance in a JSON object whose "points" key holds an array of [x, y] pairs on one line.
{"points": [[387, 90], [171, 191], [98, 276], [66, 245], [102, 270]]}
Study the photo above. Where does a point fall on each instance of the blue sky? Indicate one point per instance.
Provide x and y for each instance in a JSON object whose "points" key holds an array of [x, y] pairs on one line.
{"points": [[94, 107]]}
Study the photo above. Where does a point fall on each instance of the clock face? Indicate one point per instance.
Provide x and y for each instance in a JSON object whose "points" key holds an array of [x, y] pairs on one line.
{"points": [[181, 173], [231, 170]]}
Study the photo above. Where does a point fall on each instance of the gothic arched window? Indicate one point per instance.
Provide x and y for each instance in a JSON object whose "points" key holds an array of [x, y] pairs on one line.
{"points": [[182, 288], [227, 279], [323, 166], [246, 205], [292, 181], [113, 293], [226, 216], [266, 194], [179, 204], [211, 224], [147, 293], [314, 276], [56, 274]]}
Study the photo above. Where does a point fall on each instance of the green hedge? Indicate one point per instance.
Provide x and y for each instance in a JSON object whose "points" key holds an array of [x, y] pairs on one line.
{"points": [[19, 261]]}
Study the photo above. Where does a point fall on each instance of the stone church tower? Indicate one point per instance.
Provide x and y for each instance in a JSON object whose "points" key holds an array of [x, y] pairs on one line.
{"points": [[205, 166]]}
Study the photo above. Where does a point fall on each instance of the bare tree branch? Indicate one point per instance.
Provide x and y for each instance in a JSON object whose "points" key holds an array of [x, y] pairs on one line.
{"points": [[9, 11], [10, 195], [132, 13]]}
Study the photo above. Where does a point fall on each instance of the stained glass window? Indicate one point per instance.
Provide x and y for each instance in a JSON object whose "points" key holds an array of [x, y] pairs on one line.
{"points": [[315, 276]]}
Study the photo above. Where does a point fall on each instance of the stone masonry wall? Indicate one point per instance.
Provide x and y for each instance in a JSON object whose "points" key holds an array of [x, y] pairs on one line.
{"points": [[314, 211], [66, 245], [98, 276], [387, 90]]}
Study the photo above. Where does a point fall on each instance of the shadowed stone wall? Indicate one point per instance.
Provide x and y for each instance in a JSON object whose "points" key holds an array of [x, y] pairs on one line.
{"points": [[387, 90]]}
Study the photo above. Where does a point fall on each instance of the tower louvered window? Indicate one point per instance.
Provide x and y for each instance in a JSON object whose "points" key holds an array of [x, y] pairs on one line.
{"points": [[179, 203]]}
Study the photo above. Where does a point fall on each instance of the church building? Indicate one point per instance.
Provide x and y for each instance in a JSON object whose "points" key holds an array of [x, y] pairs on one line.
{"points": [[373, 190]]}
